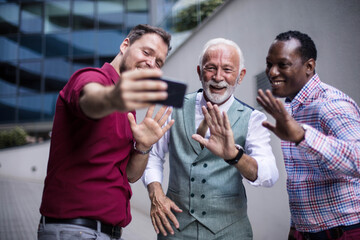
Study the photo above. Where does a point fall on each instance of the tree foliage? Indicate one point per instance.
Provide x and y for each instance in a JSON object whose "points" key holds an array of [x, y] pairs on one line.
{"points": [[187, 18]]}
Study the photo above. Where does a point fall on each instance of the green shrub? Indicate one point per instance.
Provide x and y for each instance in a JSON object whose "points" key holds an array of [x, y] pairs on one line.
{"points": [[13, 137]]}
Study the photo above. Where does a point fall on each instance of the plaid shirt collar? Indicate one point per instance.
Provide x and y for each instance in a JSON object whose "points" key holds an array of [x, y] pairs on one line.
{"points": [[304, 93]]}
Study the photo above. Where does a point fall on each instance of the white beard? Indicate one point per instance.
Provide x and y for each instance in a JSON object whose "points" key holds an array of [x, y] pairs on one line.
{"points": [[218, 98]]}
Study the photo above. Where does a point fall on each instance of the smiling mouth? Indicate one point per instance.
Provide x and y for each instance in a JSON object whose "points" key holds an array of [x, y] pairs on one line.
{"points": [[217, 88], [277, 83]]}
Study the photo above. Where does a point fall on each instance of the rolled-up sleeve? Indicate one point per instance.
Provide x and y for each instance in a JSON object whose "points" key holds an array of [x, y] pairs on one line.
{"points": [[258, 146], [155, 167]]}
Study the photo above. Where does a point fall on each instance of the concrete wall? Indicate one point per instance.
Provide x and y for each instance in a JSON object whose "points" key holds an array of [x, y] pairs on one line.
{"points": [[253, 24], [26, 162]]}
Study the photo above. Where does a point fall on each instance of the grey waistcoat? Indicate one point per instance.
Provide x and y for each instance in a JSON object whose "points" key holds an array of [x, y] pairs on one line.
{"points": [[203, 185]]}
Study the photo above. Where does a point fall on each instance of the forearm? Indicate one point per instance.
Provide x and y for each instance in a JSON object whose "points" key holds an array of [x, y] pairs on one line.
{"points": [[248, 167], [95, 100], [338, 155], [137, 164], [155, 189]]}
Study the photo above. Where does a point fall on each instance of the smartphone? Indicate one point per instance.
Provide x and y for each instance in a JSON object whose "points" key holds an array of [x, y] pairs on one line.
{"points": [[176, 92]]}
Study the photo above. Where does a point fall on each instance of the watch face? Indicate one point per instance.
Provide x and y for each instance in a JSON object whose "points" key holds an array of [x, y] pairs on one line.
{"points": [[305, 126]]}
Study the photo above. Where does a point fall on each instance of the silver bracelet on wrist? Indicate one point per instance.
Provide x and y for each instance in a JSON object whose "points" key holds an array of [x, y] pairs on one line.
{"points": [[141, 152]]}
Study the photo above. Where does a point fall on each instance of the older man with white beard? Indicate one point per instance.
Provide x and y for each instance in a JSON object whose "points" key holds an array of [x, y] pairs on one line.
{"points": [[206, 198]]}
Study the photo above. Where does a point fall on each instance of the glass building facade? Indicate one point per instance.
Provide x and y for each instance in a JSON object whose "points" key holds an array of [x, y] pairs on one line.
{"points": [[43, 42]]}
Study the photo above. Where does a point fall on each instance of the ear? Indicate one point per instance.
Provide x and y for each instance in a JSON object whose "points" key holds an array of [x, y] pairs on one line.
{"points": [[199, 72], [310, 66], [124, 45], [242, 75]]}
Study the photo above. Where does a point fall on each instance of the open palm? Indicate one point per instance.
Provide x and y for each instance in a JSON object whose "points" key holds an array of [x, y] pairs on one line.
{"points": [[150, 130], [221, 140]]}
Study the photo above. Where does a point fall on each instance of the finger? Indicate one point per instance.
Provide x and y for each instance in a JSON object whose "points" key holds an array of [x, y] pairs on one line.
{"points": [[174, 220], [153, 221], [143, 85], [265, 105], [167, 225], [150, 111], [269, 126], [212, 114], [207, 116], [164, 226], [272, 101], [218, 115], [176, 208], [200, 139], [160, 225], [165, 117], [132, 121], [264, 99], [280, 106], [160, 114], [259, 98], [148, 96], [168, 126], [137, 74], [226, 121]]}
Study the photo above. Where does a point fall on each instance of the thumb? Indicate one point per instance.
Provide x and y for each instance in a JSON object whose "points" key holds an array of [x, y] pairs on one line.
{"points": [[269, 126], [132, 121], [199, 139], [175, 207]]}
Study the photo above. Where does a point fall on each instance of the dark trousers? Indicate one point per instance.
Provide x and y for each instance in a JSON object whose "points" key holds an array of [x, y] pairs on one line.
{"points": [[338, 233]]}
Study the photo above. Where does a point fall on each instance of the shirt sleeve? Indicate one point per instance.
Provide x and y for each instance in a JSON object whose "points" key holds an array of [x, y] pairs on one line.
{"points": [[258, 146], [155, 166], [335, 139]]}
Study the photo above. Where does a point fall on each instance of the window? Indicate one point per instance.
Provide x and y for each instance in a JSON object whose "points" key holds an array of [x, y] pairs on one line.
{"points": [[31, 18]]}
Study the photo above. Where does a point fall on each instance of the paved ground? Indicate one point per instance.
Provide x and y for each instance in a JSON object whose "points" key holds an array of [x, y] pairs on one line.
{"points": [[19, 208], [19, 212], [22, 172]]}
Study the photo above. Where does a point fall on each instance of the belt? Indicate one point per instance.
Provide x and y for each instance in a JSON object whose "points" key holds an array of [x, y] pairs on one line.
{"points": [[112, 231], [334, 233]]}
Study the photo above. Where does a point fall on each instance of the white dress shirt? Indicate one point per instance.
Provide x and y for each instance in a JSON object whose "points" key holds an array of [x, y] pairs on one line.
{"points": [[257, 145]]}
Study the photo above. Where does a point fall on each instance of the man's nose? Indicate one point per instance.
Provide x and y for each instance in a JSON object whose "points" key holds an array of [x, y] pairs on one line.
{"points": [[273, 71], [218, 76], [151, 62]]}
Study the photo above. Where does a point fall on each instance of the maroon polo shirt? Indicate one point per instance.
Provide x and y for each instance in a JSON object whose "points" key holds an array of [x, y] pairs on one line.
{"points": [[86, 175]]}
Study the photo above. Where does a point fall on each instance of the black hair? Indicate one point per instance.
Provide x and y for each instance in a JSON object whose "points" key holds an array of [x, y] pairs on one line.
{"points": [[138, 31], [307, 49]]}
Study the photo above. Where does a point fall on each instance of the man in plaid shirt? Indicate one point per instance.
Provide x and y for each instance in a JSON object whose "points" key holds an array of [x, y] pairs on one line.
{"points": [[320, 131]]}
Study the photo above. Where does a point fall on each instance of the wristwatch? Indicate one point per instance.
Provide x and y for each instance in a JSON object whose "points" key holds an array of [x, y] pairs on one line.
{"points": [[304, 127], [238, 156], [141, 152]]}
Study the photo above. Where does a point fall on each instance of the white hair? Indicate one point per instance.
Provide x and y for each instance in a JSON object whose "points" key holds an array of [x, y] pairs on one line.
{"points": [[217, 41]]}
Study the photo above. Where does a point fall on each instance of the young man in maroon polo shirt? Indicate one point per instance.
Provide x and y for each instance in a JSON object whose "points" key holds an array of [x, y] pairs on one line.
{"points": [[97, 147]]}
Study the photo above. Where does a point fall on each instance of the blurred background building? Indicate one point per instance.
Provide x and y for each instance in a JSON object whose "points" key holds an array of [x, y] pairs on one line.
{"points": [[43, 42]]}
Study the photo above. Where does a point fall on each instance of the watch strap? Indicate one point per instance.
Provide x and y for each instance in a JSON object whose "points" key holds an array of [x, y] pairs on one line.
{"points": [[238, 156], [140, 151]]}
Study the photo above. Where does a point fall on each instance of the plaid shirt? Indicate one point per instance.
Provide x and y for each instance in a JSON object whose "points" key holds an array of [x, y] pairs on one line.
{"points": [[323, 180]]}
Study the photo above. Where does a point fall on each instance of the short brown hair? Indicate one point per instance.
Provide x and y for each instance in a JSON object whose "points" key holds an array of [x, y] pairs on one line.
{"points": [[141, 29]]}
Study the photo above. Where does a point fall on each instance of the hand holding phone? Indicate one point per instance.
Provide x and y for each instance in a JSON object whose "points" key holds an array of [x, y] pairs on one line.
{"points": [[176, 92]]}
